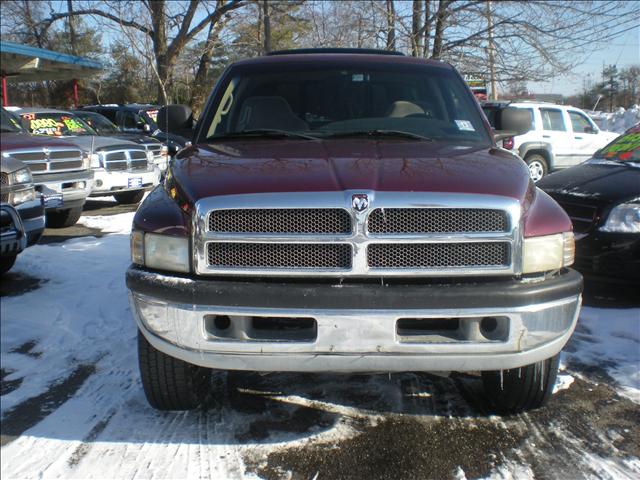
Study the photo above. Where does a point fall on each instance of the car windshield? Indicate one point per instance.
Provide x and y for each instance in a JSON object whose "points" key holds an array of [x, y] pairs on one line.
{"points": [[151, 117], [99, 123], [407, 103], [10, 124], [625, 148], [55, 124]]}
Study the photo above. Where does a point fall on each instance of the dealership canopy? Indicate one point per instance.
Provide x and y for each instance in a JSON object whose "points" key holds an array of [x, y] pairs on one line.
{"points": [[24, 63]]}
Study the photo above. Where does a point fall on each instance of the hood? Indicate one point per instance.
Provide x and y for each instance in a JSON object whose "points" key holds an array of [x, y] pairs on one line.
{"points": [[21, 141], [101, 143], [594, 183], [288, 165], [10, 165]]}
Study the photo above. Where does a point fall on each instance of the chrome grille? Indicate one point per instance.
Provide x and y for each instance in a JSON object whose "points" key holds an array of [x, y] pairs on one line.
{"points": [[437, 255], [50, 160], [120, 160], [281, 220], [436, 220], [280, 255], [322, 233]]}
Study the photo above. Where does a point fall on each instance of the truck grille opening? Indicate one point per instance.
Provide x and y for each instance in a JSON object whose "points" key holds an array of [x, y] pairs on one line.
{"points": [[121, 160], [436, 220], [452, 329], [437, 255], [55, 161], [280, 255], [257, 329], [281, 220], [4, 178]]}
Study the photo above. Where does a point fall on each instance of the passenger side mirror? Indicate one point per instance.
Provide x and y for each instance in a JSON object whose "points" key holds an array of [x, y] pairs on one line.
{"points": [[511, 122], [176, 119], [590, 130]]}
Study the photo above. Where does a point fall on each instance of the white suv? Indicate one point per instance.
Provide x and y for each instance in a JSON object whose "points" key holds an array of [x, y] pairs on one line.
{"points": [[560, 136]]}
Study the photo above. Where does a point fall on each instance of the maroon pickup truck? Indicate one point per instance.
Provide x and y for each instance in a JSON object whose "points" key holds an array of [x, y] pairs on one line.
{"points": [[346, 211]]}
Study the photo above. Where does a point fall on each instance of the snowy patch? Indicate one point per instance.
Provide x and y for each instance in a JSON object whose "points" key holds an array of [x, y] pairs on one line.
{"points": [[562, 382], [511, 471], [617, 121], [109, 223], [610, 339]]}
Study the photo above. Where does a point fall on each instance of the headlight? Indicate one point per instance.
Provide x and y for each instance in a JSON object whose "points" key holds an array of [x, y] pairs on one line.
{"points": [[624, 218], [160, 251], [92, 160], [22, 176], [16, 198], [550, 252]]}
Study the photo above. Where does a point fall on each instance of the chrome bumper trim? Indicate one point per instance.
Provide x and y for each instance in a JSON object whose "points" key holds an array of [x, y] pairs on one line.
{"points": [[357, 340]]}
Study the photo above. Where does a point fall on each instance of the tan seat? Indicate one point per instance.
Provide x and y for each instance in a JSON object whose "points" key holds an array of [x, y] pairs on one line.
{"points": [[402, 108], [259, 113]]}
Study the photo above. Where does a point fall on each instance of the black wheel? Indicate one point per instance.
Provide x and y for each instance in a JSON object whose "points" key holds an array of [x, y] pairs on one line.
{"points": [[538, 167], [521, 389], [169, 383], [6, 263], [63, 218], [128, 198]]}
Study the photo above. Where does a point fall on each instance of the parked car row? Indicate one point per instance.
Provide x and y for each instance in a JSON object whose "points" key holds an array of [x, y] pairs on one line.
{"points": [[53, 160], [560, 136]]}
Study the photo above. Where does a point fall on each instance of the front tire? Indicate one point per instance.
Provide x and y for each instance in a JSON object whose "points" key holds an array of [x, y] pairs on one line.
{"points": [[538, 167], [521, 389], [6, 263], [129, 198], [63, 218], [169, 383]]}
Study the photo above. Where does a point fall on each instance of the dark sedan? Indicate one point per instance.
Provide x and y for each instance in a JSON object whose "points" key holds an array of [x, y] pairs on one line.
{"points": [[602, 197]]}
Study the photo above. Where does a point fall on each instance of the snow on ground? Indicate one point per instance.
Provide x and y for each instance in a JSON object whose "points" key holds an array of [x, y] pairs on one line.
{"points": [[79, 317], [617, 121]]}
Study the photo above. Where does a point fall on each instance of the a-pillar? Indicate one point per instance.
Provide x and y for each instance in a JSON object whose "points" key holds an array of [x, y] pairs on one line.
{"points": [[5, 100]]}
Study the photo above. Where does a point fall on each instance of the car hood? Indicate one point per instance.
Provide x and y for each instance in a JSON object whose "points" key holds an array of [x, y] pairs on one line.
{"points": [[86, 142], [15, 141], [606, 182], [262, 166]]}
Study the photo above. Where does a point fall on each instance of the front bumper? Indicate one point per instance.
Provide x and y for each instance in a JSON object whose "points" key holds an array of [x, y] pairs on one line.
{"points": [[32, 214], [109, 182], [73, 187], [356, 327]]}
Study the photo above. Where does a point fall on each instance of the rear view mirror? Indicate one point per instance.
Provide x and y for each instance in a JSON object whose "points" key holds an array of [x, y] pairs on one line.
{"points": [[511, 122], [176, 119]]}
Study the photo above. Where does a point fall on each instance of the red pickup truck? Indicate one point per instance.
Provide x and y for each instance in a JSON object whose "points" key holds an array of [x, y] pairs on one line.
{"points": [[349, 211]]}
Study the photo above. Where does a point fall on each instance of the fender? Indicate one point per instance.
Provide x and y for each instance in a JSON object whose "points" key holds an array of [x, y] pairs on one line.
{"points": [[542, 148]]}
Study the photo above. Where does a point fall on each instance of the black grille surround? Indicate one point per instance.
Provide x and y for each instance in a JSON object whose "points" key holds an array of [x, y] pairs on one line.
{"points": [[280, 255], [281, 220], [437, 255], [391, 221]]}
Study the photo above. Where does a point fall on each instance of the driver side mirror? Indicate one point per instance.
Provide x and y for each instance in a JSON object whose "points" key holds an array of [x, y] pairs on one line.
{"points": [[511, 122]]}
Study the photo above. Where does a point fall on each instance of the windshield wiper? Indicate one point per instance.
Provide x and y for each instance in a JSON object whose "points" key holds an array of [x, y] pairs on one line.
{"points": [[380, 133], [262, 132]]}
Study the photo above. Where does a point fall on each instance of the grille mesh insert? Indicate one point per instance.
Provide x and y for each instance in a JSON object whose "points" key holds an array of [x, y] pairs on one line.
{"points": [[437, 255], [4, 178], [279, 255], [436, 220], [289, 220]]}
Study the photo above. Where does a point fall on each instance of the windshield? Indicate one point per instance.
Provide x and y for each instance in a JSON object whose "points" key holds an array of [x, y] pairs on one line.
{"points": [[55, 124], [151, 116], [413, 104], [99, 123], [10, 124], [625, 148]]}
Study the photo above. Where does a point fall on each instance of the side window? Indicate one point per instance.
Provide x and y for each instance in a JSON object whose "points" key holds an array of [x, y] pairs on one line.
{"points": [[552, 120], [532, 122], [580, 123], [110, 114], [129, 120]]}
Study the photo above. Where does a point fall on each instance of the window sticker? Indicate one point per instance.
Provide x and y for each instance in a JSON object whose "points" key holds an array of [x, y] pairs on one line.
{"points": [[622, 147], [465, 126], [153, 114]]}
